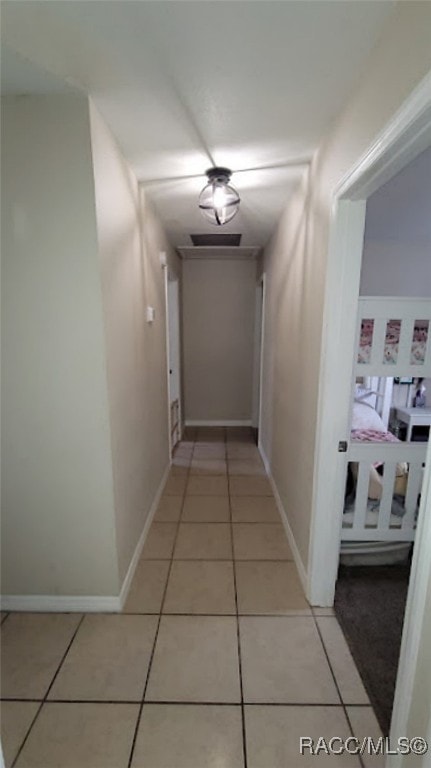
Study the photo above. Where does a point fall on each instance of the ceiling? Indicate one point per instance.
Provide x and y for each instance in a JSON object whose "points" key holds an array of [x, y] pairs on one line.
{"points": [[186, 85]]}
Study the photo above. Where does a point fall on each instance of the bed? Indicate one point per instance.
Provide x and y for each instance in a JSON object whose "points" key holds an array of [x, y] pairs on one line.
{"points": [[385, 474]]}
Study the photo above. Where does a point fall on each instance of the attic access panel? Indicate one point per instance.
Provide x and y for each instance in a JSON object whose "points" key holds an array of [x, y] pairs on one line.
{"points": [[216, 240]]}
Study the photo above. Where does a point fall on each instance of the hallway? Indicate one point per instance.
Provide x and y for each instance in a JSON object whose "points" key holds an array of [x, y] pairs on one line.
{"points": [[217, 659]]}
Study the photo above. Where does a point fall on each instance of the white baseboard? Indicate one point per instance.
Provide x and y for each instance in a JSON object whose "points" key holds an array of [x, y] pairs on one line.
{"points": [[61, 603], [222, 423], [86, 603], [139, 547], [289, 533]]}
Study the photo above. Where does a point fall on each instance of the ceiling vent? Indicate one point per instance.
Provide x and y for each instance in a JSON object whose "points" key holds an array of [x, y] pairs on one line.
{"points": [[216, 240]]}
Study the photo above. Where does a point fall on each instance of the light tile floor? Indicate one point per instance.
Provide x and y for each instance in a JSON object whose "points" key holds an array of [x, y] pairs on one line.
{"points": [[217, 658]]}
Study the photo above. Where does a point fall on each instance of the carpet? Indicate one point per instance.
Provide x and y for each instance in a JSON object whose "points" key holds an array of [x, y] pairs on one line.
{"points": [[369, 604]]}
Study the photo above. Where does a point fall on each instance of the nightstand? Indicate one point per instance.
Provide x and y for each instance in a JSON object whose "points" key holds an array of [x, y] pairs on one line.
{"points": [[414, 417]]}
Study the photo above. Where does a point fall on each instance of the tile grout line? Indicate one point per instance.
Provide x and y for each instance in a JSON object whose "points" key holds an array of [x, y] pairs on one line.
{"points": [[346, 714], [156, 702], [244, 738], [220, 522], [27, 733], [218, 559], [65, 654], [45, 698], [291, 615], [147, 678]]}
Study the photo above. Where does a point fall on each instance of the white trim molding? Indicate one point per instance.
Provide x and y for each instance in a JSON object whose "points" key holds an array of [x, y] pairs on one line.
{"points": [[403, 138], [168, 354], [87, 603], [140, 545], [220, 423], [262, 353], [61, 603], [284, 519]]}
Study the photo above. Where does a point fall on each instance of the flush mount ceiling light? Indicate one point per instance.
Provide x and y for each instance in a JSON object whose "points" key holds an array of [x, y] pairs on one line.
{"points": [[219, 201]]}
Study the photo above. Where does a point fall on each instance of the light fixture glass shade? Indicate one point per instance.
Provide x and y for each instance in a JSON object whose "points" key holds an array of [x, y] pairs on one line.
{"points": [[219, 201]]}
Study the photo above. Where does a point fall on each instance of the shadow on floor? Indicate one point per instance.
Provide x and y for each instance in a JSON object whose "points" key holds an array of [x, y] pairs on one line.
{"points": [[369, 604]]}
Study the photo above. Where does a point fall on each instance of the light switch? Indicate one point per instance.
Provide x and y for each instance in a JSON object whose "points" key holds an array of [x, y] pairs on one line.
{"points": [[151, 314]]}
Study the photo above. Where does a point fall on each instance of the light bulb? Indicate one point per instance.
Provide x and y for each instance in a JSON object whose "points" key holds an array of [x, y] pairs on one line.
{"points": [[219, 197], [219, 201]]}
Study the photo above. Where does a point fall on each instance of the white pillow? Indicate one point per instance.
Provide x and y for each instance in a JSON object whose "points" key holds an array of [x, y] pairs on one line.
{"points": [[365, 417]]}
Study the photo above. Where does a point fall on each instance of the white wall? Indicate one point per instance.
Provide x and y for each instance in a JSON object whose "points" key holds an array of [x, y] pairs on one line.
{"points": [[131, 277], [395, 269], [218, 338], [58, 533], [290, 364], [85, 413], [295, 262], [397, 244]]}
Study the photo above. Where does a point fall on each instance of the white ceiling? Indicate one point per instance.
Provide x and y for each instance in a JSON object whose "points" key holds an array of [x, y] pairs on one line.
{"points": [[185, 85]]}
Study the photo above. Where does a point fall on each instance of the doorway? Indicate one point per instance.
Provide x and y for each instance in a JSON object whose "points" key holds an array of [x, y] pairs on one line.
{"points": [[387, 454], [408, 134], [258, 357], [173, 358]]}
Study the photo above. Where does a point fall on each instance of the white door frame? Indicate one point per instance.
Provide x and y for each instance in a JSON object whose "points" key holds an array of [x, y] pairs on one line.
{"points": [[258, 362], [172, 277], [168, 356], [262, 356], [407, 134], [174, 328]]}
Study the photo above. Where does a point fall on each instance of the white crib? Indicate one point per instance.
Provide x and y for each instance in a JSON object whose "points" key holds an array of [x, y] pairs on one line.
{"points": [[380, 523], [393, 339]]}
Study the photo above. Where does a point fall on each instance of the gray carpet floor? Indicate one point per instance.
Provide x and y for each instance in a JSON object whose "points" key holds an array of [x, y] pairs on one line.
{"points": [[370, 604]]}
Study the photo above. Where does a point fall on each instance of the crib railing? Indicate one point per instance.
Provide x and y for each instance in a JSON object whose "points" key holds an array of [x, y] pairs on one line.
{"points": [[393, 337], [380, 524]]}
